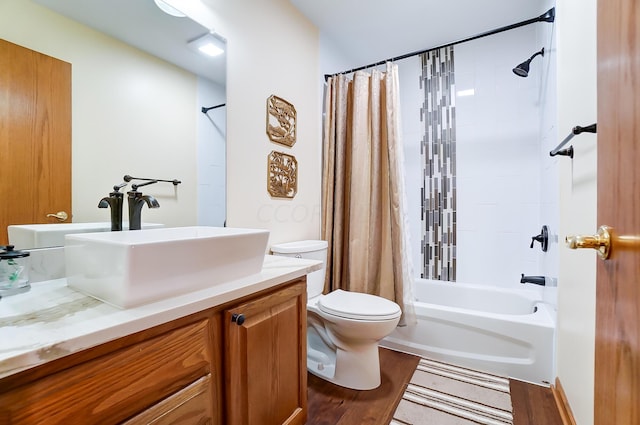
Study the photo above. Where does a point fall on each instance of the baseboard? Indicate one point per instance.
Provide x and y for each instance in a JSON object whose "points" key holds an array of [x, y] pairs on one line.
{"points": [[562, 403]]}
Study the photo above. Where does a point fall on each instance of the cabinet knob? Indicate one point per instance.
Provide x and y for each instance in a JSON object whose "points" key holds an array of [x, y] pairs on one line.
{"points": [[237, 318]]}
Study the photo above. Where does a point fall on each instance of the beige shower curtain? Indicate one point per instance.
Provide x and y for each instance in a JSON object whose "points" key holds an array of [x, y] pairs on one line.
{"points": [[363, 203]]}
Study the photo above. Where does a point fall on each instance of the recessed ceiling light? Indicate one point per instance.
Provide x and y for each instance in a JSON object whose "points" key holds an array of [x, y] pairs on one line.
{"points": [[207, 44], [210, 50]]}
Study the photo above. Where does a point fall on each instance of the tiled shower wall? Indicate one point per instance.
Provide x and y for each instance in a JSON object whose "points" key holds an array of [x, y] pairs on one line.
{"points": [[438, 152], [500, 199], [549, 189]]}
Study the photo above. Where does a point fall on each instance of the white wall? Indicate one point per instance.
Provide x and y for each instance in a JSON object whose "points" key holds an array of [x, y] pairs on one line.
{"points": [[577, 105], [332, 58], [272, 50], [132, 113]]}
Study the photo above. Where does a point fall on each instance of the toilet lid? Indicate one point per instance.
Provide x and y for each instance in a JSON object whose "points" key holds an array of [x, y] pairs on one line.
{"points": [[355, 305]]}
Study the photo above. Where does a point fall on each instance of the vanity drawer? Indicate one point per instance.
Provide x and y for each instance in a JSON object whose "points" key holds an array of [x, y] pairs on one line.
{"points": [[118, 385], [191, 405]]}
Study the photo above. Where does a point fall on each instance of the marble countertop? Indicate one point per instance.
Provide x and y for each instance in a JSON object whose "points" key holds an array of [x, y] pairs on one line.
{"points": [[52, 320]]}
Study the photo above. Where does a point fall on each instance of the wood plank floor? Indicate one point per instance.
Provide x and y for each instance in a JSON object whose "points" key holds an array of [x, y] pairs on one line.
{"points": [[331, 404], [533, 404], [334, 405]]}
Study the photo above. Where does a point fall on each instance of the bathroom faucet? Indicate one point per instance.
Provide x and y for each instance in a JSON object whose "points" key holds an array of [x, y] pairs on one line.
{"points": [[538, 280], [136, 201], [114, 200]]}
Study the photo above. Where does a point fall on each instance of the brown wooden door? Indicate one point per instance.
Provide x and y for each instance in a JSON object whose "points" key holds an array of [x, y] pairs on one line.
{"points": [[617, 356], [266, 359], [35, 137]]}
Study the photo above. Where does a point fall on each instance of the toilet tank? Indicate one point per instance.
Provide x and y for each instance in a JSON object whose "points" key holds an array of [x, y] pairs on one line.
{"points": [[312, 250]]}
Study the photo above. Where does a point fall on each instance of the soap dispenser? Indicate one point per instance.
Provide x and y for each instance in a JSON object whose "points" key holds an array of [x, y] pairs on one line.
{"points": [[14, 271]]}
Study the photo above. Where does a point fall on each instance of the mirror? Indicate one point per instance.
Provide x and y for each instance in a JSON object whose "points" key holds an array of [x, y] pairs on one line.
{"points": [[133, 113], [142, 24]]}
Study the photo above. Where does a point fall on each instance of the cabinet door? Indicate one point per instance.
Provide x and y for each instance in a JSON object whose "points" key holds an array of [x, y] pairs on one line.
{"points": [[265, 359]]}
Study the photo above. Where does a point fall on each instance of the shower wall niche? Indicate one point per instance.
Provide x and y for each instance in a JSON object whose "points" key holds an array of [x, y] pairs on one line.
{"points": [[501, 121]]}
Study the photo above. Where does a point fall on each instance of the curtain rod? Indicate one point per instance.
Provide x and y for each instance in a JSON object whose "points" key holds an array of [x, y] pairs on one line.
{"points": [[205, 110], [548, 16]]}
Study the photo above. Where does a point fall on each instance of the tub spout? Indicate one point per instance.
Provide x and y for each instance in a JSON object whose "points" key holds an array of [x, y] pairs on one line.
{"points": [[538, 280]]}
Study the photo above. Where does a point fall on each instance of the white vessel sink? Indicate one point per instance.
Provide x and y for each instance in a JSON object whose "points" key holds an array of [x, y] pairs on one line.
{"points": [[24, 236], [131, 268]]}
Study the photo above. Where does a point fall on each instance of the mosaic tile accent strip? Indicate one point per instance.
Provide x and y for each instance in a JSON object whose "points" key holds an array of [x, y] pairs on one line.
{"points": [[438, 151]]}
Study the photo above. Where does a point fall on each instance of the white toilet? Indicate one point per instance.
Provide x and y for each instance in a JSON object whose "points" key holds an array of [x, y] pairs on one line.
{"points": [[343, 328]]}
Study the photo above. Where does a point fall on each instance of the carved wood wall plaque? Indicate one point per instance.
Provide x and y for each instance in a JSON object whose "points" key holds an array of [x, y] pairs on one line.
{"points": [[281, 121], [282, 175]]}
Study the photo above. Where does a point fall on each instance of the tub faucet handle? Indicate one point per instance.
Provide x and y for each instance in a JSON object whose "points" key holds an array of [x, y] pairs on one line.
{"points": [[543, 238]]}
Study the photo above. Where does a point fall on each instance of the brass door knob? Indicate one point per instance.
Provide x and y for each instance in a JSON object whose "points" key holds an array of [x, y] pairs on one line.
{"points": [[60, 215], [601, 241]]}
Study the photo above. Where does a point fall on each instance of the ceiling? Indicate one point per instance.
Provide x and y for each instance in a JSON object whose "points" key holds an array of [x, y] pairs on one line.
{"points": [[374, 30], [363, 31], [141, 24]]}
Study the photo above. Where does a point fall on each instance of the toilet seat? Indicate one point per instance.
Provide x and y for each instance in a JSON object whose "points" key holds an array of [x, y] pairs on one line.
{"points": [[359, 306]]}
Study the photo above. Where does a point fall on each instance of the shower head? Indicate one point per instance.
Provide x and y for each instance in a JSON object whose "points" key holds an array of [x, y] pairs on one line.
{"points": [[522, 70]]}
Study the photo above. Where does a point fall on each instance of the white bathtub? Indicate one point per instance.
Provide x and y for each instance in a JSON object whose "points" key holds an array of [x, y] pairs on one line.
{"points": [[509, 332]]}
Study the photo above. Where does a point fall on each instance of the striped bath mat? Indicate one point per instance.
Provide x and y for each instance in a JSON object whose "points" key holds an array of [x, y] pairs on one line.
{"points": [[443, 394]]}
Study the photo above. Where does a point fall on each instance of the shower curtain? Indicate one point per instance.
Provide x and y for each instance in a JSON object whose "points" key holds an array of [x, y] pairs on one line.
{"points": [[363, 198]]}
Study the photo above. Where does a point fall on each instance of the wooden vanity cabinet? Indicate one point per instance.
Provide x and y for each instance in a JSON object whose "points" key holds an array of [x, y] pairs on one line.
{"points": [[200, 369]]}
